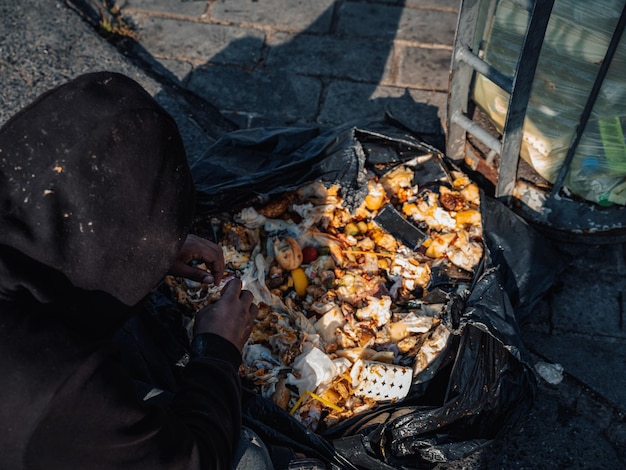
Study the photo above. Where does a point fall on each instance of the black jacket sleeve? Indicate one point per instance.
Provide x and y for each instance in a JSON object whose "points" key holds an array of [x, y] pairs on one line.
{"points": [[209, 401], [95, 421]]}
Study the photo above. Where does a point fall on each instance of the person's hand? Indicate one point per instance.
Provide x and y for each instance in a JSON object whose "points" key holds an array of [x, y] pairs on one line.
{"points": [[199, 249], [231, 317]]}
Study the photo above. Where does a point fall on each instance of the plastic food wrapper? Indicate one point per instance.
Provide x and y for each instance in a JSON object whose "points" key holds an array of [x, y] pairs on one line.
{"points": [[575, 43], [380, 381], [475, 385], [551, 373], [314, 368]]}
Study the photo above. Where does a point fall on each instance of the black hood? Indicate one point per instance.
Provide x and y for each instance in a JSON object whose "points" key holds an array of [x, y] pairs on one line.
{"points": [[96, 195]]}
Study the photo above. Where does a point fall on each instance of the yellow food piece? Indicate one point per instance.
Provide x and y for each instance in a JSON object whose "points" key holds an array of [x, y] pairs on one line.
{"points": [[300, 281], [468, 217], [354, 354], [397, 179], [362, 226], [385, 241], [351, 229], [397, 331], [375, 197], [471, 193], [439, 244], [409, 208]]}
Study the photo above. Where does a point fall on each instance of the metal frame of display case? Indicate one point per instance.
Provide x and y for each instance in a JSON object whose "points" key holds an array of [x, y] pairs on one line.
{"points": [[476, 147]]}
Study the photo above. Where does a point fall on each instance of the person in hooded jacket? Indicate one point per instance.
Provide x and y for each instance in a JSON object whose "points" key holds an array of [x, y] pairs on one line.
{"points": [[96, 202]]}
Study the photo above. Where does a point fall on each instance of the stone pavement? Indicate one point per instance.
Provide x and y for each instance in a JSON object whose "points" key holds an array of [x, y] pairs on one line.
{"points": [[280, 63], [223, 64]]}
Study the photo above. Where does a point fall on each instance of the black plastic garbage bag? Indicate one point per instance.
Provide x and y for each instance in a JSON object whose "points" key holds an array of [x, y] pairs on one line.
{"points": [[482, 383]]}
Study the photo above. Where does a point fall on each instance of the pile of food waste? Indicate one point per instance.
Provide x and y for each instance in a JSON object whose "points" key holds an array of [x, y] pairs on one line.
{"points": [[349, 301]]}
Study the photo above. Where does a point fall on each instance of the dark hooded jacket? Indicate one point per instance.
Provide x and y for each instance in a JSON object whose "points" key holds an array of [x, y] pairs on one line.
{"points": [[95, 201]]}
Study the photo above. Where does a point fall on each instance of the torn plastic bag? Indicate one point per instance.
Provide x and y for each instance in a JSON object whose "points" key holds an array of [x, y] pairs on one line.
{"points": [[248, 164], [482, 383]]}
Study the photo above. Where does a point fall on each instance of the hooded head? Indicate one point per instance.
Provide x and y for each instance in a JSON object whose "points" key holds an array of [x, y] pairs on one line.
{"points": [[95, 193]]}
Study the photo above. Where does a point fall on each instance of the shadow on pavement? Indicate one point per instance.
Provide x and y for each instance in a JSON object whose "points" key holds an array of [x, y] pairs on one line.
{"points": [[312, 78]]}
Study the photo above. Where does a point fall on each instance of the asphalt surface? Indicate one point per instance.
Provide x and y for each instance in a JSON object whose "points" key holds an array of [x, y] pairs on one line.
{"points": [[221, 65]]}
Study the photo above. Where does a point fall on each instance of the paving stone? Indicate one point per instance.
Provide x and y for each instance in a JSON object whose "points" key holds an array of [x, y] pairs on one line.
{"points": [[423, 68], [327, 56], [617, 436], [375, 20], [590, 360], [200, 42], [345, 101], [180, 69], [285, 15], [575, 310], [594, 408], [562, 437], [281, 97], [192, 8]]}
